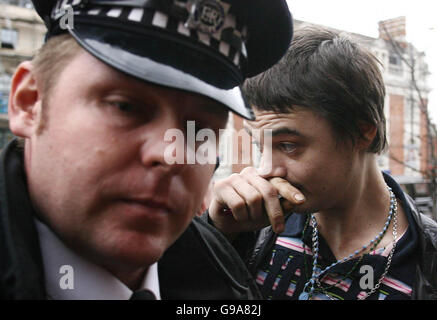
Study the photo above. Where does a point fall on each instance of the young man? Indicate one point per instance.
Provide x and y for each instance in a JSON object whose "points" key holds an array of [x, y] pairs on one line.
{"points": [[90, 207], [354, 234]]}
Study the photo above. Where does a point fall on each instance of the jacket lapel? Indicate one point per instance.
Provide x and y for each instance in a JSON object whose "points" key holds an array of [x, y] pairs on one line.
{"points": [[21, 271]]}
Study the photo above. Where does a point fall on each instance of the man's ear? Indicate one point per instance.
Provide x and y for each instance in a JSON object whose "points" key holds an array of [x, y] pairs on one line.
{"points": [[368, 134], [24, 106]]}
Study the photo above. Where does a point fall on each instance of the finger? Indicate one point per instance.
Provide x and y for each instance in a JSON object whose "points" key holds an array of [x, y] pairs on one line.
{"points": [[287, 206], [251, 196], [271, 200], [292, 196], [227, 197]]}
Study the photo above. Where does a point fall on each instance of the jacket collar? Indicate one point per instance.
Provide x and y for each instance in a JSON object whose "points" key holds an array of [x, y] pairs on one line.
{"points": [[20, 257]]}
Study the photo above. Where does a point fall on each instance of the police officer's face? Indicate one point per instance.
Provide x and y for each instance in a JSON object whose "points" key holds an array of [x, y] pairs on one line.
{"points": [[97, 172]]}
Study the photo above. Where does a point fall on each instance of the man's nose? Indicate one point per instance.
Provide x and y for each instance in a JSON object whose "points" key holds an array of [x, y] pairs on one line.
{"points": [[164, 146]]}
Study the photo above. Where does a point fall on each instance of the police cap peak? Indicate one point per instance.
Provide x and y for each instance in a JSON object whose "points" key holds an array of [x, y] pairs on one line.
{"points": [[204, 46]]}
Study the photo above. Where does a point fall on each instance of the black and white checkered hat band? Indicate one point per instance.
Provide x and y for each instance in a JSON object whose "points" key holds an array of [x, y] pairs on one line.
{"points": [[227, 36]]}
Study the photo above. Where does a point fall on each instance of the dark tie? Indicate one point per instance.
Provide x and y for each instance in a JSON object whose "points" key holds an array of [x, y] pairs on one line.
{"points": [[143, 295]]}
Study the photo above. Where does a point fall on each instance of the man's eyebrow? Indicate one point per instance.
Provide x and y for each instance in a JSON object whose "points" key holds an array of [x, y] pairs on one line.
{"points": [[285, 131], [277, 132]]}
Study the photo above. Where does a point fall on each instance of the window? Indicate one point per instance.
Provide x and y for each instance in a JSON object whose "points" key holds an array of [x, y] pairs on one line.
{"points": [[21, 3], [4, 97], [395, 64], [5, 83], [394, 59], [9, 38]]}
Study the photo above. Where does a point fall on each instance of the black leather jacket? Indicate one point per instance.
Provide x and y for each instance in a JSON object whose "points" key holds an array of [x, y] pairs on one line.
{"points": [[425, 280], [200, 265]]}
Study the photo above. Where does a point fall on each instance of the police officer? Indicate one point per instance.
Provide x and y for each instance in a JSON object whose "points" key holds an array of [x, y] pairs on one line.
{"points": [[90, 207]]}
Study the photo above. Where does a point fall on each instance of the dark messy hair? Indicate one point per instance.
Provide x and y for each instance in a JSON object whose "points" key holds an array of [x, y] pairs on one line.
{"points": [[330, 74]]}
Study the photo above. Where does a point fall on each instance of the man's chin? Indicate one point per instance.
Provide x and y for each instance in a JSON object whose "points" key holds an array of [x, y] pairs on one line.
{"points": [[131, 252], [128, 259]]}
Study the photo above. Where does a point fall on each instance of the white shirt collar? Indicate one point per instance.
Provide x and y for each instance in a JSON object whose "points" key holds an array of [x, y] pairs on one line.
{"points": [[89, 281]]}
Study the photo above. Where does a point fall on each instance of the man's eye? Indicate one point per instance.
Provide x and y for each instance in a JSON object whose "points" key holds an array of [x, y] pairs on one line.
{"points": [[125, 106], [287, 147]]}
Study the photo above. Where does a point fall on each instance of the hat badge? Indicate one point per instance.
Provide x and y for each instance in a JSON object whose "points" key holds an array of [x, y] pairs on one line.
{"points": [[207, 16]]}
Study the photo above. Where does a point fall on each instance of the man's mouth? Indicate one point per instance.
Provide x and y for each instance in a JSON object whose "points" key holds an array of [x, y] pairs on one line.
{"points": [[148, 204]]}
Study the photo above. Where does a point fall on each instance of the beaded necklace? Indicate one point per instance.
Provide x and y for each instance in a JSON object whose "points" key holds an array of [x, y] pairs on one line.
{"points": [[314, 280], [325, 289]]}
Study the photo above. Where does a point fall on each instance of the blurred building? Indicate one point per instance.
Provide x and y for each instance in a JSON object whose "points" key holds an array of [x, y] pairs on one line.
{"points": [[19, 3], [409, 159], [408, 156], [21, 34]]}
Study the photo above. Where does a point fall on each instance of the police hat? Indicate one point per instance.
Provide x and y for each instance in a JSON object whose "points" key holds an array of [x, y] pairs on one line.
{"points": [[203, 46]]}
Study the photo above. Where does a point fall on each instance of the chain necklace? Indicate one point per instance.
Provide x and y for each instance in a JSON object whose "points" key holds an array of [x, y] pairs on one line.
{"points": [[387, 266], [314, 280], [323, 289]]}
